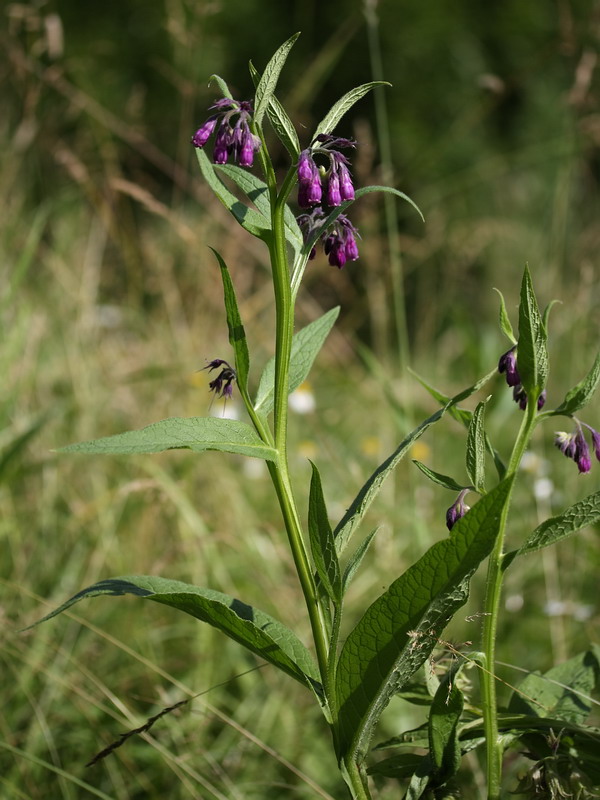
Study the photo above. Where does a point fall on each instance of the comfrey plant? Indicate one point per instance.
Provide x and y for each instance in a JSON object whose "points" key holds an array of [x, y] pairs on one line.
{"points": [[381, 656]]}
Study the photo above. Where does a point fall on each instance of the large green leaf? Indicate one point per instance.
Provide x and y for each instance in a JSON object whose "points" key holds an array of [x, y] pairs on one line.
{"points": [[359, 506], [258, 192], [247, 217], [343, 105], [305, 347], [322, 544], [252, 628], [532, 352], [237, 334], [580, 515], [581, 394], [268, 81], [189, 433], [399, 630]]}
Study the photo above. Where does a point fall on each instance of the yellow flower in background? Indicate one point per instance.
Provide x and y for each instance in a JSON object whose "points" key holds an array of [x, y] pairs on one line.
{"points": [[307, 449], [370, 445], [420, 451]]}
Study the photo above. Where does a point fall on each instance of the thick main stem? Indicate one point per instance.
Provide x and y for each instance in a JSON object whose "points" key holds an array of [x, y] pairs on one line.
{"points": [[495, 574], [284, 309]]}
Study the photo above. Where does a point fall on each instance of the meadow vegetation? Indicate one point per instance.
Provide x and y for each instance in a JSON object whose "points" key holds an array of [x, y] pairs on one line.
{"points": [[110, 303]]}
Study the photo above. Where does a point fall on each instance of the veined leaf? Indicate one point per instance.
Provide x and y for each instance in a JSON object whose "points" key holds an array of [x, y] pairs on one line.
{"points": [[532, 353], [258, 192], [563, 692], [188, 433], [268, 81], [343, 105], [248, 218], [581, 394], [399, 766], [400, 629], [505, 325], [358, 508], [305, 347], [237, 334], [322, 544], [250, 627], [475, 454], [580, 515], [437, 477], [223, 88], [279, 119]]}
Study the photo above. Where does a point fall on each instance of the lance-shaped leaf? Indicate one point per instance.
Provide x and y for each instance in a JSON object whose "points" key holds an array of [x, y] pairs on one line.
{"points": [[223, 88], [247, 217], [356, 559], [580, 395], [444, 718], [443, 480], [400, 629], [505, 325], [268, 81], [305, 347], [464, 416], [580, 515], [343, 207], [237, 334], [399, 766], [279, 119], [322, 544], [252, 628], [258, 192], [181, 433], [359, 506], [343, 105], [532, 352], [475, 453]]}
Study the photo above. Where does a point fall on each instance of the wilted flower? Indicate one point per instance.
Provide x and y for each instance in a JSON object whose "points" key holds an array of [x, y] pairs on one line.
{"points": [[222, 385], [457, 510], [234, 141], [337, 178], [338, 239], [574, 445]]}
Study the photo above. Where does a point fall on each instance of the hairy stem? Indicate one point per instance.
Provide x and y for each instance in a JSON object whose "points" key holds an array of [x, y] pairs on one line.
{"points": [[495, 574]]}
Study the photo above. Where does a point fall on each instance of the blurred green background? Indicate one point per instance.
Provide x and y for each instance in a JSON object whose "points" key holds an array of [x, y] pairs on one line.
{"points": [[110, 301]]}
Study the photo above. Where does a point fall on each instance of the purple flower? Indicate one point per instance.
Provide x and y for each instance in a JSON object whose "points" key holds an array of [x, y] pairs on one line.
{"points": [[234, 139], [574, 445], [338, 239], [457, 510], [508, 365], [541, 402], [520, 396], [222, 385], [337, 178]]}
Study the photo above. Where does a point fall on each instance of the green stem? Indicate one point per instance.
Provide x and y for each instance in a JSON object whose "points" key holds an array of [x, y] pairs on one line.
{"points": [[495, 574], [284, 309], [354, 780]]}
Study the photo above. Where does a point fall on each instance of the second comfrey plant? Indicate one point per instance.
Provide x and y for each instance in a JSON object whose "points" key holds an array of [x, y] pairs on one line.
{"points": [[353, 682]]}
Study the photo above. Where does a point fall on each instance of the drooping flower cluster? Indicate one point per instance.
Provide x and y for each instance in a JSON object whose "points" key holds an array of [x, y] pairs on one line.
{"points": [[335, 180], [508, 366], [338, 239], [574, 445], [457, 510], [233, 140], [222, 385]]}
